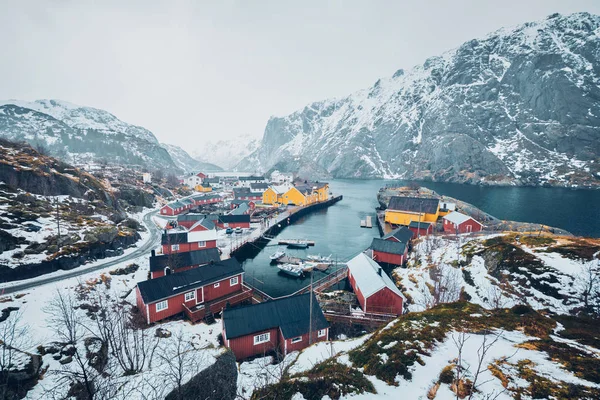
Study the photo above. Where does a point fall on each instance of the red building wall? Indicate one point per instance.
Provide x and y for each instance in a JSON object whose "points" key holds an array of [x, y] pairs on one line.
{"points": [[234, 225], [304, 342], [423, 231], [167, 211], [396, 259], [185, 247], [356, 289], [243, 346], [176, 302], [158, 274], [474, 226], [384, 301]]}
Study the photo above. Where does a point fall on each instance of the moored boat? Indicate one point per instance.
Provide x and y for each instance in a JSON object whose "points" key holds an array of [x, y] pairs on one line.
{"points": [[291, 269], [298, 245], [277, 255]]}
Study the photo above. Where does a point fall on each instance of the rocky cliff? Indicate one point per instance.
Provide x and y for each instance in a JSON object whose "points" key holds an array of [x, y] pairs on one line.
{"points": [[520, 106]]}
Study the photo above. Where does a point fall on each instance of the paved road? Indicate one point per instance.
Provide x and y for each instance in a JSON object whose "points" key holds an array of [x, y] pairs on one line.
{"points": [[148, 245]]}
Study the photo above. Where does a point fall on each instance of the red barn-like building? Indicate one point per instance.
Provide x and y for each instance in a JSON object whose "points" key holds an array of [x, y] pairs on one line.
{"points": [[456, 222], [196, 292], [280, 325], [183, 241], [389, 251], [421, 228], [375, 291]]}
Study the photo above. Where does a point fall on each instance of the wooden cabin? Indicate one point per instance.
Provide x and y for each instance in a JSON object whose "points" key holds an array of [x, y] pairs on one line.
{"points": [[456, 222], [375, 291], [166, 264], [404, 210], [176, 241], [280, 325], [389, 251], [421, 228], [195, 292]]}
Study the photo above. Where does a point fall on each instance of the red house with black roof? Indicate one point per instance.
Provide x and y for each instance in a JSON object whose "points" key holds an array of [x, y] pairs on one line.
{"points": [[166, 264], [421, 228], [233, 221], [389, 251], [176, 241], [280, 325], [198, 292]]}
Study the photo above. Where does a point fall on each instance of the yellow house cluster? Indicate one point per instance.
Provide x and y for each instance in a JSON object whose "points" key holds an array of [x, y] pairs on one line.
{"points": [[404, 210], [300, 195], [203, 188]]}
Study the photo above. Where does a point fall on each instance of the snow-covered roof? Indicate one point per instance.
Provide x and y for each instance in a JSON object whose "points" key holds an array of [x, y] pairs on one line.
{"points": [[457, 218], [202, 236], [281, 189], [366, 274]]}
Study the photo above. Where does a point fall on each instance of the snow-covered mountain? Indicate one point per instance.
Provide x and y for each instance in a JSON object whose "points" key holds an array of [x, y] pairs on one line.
{"points": [[184, 161], [227, 153], [520, 106], [81, 134]]}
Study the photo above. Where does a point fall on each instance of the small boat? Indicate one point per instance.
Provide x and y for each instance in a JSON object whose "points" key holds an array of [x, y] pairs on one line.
{"points": [[277, 255], [291, 269], [318, 258], [298, 245]]}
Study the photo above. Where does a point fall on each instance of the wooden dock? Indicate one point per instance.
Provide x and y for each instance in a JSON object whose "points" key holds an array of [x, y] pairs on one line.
{"points": [[326, 282], [367, 222]]}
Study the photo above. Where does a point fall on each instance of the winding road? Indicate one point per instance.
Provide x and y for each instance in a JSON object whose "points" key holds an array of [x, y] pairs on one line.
{"points": [[148, 245]]}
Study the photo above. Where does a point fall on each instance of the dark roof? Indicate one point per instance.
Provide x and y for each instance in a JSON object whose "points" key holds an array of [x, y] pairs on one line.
{"points": [[259, 186], [291, 314], [211, 180], [174, 238], [237, 192], [207, 223], [241, 190], [402, 234], [414, 204], [304, 188], [423, 224], [170, 285], [234, 218], [185, 259], [388, 246], [190, 217], [252, 178], [238, 201]]}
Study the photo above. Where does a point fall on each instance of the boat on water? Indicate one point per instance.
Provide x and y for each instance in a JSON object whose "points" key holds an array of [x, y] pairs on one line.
{"points": [[318, 258], [298, 245], [277, 255], [291, 269]]}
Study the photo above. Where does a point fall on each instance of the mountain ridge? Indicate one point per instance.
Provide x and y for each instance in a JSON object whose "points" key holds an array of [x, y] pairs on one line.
{"points": [[517, 107]]}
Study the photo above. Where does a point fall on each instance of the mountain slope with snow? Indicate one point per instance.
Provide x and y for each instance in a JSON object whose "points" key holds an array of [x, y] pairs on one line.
{"points": [[227, 153], [81, 134], [520, 106], [187, 163]]}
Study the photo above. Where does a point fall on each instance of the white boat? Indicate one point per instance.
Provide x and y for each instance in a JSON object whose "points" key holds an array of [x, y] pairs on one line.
{"points": [[277, 255], [318, 258], [291, 269]]}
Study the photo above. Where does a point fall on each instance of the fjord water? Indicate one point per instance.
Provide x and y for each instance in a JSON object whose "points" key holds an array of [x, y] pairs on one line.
{"points": [[336, 230]]}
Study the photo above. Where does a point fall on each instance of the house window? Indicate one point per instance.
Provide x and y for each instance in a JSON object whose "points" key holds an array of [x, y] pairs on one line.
{"points": [[216, 285], [233, 281], [297, 339], [190, 296], [202, 244], [321, 332], [162, 305], [175, 247], [262, 338]]}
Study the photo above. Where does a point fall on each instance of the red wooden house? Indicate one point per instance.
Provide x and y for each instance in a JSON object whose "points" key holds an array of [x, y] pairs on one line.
{"points": [[236, 203], [421, 228], [175, 241], [233, 221], [389, 251], [166, 264], [244, 193], [196, 292], [402, 235], [195, 221], [280, 325], [456, 222], [375, 291]]}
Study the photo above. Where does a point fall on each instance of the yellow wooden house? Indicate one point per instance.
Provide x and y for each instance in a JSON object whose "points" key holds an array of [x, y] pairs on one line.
{"points": [[404, 210], [203, 188], [274, 194], [322, 191]]}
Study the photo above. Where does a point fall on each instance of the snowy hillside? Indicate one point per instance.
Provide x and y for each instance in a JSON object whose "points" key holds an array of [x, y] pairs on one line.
{"points": [[227, 153], [519, 106], [187, 163], [81, 134]]}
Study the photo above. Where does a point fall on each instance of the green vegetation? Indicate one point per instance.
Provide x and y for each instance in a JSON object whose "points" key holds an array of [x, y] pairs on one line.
{"points": [[537, 241], [327, 378]]}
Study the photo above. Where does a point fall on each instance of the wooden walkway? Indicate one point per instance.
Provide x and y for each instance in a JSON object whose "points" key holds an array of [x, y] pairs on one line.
{"points": [[325, 283], [368, 319]]}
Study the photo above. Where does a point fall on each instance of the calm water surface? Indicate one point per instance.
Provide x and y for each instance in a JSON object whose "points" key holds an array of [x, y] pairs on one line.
{"points": [[337, 230]]}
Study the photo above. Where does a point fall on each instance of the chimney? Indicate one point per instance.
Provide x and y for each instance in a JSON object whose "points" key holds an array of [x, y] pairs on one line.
{"points": [[153, 252], [379, 271]]}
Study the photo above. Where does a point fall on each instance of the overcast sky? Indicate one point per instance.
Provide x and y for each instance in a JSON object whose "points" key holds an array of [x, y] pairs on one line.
{"points": [[193, 71]]}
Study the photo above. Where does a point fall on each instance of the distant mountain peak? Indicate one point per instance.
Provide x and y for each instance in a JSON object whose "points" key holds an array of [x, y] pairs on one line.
{"points": [[518, 106]]}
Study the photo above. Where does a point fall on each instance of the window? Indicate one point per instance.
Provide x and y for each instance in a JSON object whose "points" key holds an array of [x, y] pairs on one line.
{"points": [[233, 281], [217, 284], [262, 338], [190, 296], [297, 339], [162, 305], [174, 247], [202, 244], [321, 332]]}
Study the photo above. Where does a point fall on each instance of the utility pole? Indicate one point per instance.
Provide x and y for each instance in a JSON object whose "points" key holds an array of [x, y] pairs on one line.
{"points": [[57, 224], [419, 223]]}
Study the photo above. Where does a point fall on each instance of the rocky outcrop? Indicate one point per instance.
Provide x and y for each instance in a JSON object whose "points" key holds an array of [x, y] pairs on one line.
{"points": [[518, 107]]}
